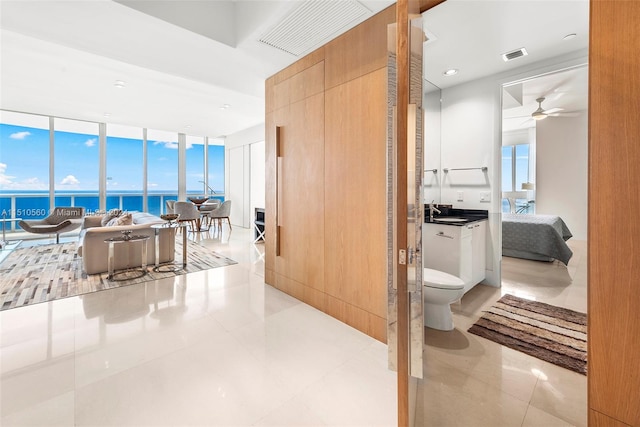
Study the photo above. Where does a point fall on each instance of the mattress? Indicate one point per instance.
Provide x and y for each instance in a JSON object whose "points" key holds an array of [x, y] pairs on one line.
{"points": [[536, 237]]}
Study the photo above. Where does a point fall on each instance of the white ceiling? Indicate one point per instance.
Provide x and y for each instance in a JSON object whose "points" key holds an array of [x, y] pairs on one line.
{"points": [[471, 36], [182, 60], [62, 58]]}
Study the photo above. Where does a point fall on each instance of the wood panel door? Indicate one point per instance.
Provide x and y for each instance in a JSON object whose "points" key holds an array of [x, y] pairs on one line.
{"points": [[301, 192], [614, 201], [295, 185]]}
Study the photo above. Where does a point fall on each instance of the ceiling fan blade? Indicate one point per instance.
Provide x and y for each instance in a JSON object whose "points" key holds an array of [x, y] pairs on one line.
{"points": [[567, 114], [553, 110]]}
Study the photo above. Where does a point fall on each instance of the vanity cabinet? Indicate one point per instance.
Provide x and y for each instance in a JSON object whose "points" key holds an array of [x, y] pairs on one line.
{"points": [[456, 249], [478, 251]]}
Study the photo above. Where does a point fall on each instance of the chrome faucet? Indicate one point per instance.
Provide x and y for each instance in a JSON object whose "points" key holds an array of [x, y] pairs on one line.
{"points": [[432, 209]]}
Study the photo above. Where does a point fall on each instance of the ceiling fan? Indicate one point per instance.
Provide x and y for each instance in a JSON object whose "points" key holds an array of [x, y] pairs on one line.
{"points": [[541, 113]]}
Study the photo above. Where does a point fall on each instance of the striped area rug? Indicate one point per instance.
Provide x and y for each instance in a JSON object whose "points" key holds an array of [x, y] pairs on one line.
{"points": [[44, 273], [553, 334]]}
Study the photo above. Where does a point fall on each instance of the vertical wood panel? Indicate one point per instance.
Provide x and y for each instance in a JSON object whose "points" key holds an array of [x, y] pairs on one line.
{"points": [[299, 66], [301, 215], [295, 97], [614, 201], [355, 162], [401, 213], [299, 86], [359, 51]]}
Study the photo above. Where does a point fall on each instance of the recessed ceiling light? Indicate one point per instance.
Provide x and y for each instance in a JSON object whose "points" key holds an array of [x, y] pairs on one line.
{"points": [[107, 114], [120, 84], [225, 107], [569, 36], [451, 72], [188, 126]]}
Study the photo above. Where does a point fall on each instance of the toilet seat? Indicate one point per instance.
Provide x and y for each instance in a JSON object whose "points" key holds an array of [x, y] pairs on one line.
{"points": [[441, 280]]}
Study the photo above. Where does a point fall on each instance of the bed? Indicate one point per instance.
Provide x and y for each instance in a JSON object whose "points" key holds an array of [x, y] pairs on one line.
{"points": [[535, 237]]}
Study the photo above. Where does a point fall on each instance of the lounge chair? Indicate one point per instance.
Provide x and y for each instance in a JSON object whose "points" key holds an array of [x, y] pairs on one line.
{"points": [[61, 220]]}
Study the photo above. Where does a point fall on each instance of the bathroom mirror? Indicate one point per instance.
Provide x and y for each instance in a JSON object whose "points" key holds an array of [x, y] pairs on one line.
{"points": [[474, 49], [469, 70]]}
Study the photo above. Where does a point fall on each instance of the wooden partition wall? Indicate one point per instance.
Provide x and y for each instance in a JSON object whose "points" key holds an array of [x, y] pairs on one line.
{"points": [[614, 203], [326, 209]]}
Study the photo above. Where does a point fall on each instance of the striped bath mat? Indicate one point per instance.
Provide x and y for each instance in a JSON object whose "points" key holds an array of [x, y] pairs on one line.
{"points": [[554, 334]]}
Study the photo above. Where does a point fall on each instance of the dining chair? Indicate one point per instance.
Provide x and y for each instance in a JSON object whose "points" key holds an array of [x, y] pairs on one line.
{"points": [[188, 213], [221, 213]]}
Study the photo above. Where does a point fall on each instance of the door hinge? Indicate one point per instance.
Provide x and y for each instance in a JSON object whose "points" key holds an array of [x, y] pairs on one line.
{"points": [[402, 257]]}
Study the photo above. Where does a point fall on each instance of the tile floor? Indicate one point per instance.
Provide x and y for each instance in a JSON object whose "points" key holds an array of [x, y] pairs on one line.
{"points": [[211, 348], [219, 348], [470, 381]]}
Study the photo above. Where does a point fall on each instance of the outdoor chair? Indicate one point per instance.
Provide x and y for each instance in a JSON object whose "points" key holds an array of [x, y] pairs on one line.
{"points": [[61, 220]]}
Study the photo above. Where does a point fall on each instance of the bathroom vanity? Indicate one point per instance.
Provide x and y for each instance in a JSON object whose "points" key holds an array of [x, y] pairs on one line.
{"points": [[456, 244]]}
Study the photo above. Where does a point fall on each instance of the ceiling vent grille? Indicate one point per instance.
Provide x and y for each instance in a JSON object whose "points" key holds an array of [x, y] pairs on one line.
{"points": [[510, 56], [314, 22]]}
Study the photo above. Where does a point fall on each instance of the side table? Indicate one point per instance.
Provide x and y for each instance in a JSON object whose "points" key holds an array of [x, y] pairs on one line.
{"points": [[170, 267], [126, 239]]}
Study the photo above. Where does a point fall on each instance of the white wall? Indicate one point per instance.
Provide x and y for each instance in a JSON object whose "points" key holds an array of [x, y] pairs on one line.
{"points": [[561, 169], [243, 184], [237, 162], [257, 175], [432, 138], [470, 139]]}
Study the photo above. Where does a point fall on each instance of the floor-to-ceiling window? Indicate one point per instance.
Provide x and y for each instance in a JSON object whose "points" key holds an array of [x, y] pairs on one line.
{"points": [[24, 166], [30, 172], [162, 174], [124, 177], [76, 160], [516, 179], [215, 167], [195, 166]]}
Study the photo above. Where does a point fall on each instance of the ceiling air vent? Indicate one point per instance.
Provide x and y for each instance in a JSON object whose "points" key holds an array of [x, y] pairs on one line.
{"points": [[314, 22], [510, 56]]}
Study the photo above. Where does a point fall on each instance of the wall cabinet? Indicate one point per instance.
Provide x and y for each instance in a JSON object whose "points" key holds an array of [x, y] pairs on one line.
{"points": [[456, 249]]}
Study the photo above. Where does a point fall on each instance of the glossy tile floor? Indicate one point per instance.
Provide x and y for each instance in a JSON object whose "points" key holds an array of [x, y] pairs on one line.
{"points": [[471, 381], [219, 347], [216, 347]]}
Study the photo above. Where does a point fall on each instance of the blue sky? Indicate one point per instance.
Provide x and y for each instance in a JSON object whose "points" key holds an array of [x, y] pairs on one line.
{"points": [[24, 162]]}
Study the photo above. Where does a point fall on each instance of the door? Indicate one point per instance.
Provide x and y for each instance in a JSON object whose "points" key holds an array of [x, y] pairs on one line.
{"points": [[405, 205]]}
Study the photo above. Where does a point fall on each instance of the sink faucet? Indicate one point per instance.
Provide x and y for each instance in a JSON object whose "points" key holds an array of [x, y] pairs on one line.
{"points": [[432, 209]]}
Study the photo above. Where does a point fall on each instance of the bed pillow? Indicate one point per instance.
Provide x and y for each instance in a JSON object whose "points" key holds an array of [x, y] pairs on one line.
{"points": [[124, 219], [113, 213]]}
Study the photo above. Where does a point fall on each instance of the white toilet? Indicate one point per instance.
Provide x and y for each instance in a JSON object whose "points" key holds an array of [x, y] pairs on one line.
{"points": [[440, 290]]}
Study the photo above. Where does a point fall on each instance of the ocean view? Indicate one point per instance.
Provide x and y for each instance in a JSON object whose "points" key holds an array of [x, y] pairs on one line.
{"points": [[31, 204]]}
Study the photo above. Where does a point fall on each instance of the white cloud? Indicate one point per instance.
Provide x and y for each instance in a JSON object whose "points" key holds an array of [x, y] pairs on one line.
{"points": [[167, 144], [28, 184], [19, 135], [152, 184], [5, 179], [90, 142], [69, 180]]}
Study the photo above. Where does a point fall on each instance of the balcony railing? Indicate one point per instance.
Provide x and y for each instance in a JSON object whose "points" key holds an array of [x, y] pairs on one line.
{"points": [[36, 205]]}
